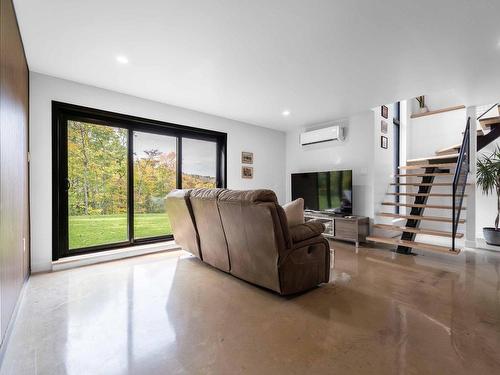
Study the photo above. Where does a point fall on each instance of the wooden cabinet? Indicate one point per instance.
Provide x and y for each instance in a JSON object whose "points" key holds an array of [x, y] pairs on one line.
{"points": [[350, 228], [14, 223]]}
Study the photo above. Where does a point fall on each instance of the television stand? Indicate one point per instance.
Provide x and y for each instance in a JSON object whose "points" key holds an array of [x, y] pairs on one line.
{"points": [[345, 228]]}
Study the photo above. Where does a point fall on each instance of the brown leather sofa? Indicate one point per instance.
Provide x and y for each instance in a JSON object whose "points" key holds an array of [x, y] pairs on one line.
{"points": [[245, 233]]}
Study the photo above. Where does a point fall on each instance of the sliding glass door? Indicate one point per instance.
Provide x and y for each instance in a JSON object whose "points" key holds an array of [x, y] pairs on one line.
{"points": [[155, 175], [97, 184], [199, 164], [112, 172]]}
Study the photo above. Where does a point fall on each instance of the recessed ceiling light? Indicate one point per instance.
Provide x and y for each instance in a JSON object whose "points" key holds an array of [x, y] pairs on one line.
{"points": [[122, 59], [286, 113]]}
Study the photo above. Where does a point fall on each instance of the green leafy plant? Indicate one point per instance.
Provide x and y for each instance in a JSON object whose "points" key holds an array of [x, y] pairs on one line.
{"points": [[488, 177]]}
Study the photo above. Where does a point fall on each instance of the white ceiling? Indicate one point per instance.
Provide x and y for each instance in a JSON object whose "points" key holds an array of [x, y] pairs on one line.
{"points": [[250, 60]]}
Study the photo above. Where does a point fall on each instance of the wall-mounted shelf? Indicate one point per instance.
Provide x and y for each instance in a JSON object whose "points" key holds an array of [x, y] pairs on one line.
{"points": [[442, 110]]}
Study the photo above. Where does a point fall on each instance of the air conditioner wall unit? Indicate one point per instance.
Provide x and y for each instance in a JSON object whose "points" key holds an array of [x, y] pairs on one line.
{"points": [[331, 133]]}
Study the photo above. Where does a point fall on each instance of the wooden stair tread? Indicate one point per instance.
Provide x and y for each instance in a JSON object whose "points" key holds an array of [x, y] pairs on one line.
{"points": [[431, 158], [413, 244], [430, 232], [449, 150], [486, 123], [415, 217], [423, 166], [424, 194], [440, 207], [424, 184], [445, 174]]}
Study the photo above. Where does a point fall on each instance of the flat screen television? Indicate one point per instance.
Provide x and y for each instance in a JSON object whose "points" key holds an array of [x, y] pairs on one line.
{"points": [[324, 191]]}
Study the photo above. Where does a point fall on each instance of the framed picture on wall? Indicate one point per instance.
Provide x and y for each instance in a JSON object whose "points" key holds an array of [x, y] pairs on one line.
{"points": [[247, 157], [246, 172], [383, 126], [384, 142], [384, 111]]}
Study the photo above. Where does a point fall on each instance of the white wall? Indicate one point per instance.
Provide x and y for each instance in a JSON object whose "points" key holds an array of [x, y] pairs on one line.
{"points": [[355, 153], [267, 145], [426, 135], [383, 169]]}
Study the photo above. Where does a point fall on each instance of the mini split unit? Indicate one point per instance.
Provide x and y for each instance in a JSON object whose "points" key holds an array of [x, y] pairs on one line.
{"points": [[332, 133]]}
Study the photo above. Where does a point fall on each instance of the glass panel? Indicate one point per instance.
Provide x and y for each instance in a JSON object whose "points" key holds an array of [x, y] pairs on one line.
{"points": [[199, 163], [97, 173], [154, 177]]}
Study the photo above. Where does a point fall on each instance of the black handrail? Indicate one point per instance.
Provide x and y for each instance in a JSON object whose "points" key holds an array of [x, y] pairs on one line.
{"points": [[460, 181]]}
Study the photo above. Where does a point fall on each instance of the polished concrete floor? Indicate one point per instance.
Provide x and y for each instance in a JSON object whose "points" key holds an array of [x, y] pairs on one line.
{"points": [[170, 314]]}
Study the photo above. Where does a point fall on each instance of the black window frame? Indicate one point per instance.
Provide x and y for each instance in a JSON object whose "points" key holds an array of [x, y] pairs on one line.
{"points": [[61, 113], [397, 152]]}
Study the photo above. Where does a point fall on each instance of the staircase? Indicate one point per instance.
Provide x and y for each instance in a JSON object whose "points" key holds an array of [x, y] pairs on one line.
{"points": [[448, 170], [421, 175]]}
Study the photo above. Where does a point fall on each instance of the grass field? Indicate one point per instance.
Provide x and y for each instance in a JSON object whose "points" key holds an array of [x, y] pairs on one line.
{"points": [[87, 231]]}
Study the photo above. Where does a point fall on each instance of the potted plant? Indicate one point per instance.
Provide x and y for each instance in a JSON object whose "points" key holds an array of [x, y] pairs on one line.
{"points": [[421, 104], [488, 179]]}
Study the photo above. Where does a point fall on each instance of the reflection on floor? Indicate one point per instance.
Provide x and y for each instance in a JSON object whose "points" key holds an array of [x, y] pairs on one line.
{"points": [[170, 314]]}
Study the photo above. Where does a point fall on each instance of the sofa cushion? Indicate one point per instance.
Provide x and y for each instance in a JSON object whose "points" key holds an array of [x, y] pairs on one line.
{"points": [[294, 211], [249, 196], [182, 221], [213, 244]]}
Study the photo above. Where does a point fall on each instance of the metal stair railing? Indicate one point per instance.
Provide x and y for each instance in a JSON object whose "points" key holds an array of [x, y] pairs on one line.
{"points": [[460, 181]]}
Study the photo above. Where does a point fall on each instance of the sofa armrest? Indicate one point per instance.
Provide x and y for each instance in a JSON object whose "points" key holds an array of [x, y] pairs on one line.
{"points": [[304, 266], [305, 231]]}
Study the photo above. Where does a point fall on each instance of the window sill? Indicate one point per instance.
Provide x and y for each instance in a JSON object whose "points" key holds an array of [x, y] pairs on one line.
{"points": [[106, 256]]}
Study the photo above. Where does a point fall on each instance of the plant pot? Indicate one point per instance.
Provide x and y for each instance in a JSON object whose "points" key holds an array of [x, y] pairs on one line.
{"points": [[492, 236]]}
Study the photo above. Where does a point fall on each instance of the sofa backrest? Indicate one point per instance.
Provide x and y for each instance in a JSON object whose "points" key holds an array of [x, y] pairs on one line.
{"points": [[213, 244], [182, 221], [256, 234]]}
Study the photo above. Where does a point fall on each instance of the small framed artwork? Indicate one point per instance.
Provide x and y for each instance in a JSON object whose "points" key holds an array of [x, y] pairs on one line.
{"points": [[246, 172], [247, 157], [384, 111], [384, 142], [383, 126]]}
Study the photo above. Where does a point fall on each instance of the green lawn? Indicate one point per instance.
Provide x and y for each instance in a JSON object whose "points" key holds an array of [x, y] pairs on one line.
{"points": [[87, 231]]}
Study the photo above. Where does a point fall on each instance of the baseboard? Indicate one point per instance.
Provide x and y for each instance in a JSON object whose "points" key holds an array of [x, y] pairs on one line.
{"points": [[12, 321], [106, 256], [471, 244], [481, 244]]}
